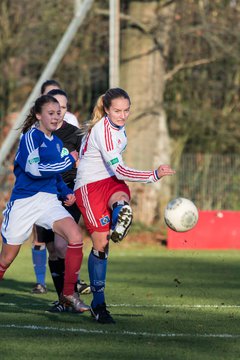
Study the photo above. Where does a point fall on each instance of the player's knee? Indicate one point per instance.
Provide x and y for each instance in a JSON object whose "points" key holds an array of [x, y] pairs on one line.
{"points": [[75, 237], [6, 260], [102, 245]]}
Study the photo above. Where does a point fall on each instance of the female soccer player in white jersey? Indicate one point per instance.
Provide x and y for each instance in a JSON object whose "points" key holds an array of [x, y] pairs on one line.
{"points": [[101, 193], [34, 200]]}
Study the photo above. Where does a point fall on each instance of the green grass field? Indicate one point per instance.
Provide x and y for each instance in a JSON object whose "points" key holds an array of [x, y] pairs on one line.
{"points": [[167, 305]]}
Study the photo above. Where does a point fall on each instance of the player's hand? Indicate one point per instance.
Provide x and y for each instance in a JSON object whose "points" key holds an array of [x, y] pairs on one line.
{"points": [[77, 163], [165, 170], [74, 154], [70, 200]]}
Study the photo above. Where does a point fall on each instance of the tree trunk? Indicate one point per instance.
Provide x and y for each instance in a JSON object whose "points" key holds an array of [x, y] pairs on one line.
{"points": [[144, 46]]}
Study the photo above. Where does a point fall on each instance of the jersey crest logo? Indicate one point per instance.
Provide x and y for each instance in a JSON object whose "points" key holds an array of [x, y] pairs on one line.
{"points": [[34, 160], [104, 220], [64, 152], [114, 161]]}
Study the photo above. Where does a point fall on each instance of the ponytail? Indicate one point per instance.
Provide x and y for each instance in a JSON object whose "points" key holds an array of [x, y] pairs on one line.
{"points": [[98, 113]]}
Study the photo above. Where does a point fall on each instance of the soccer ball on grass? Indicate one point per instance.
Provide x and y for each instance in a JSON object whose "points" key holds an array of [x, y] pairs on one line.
{"points": [[181, 214]]}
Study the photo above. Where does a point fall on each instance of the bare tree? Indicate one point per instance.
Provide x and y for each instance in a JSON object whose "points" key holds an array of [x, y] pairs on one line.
{"points": [[145, 44]]}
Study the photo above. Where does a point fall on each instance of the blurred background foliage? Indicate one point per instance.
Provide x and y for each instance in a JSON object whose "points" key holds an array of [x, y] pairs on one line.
{"points": [[202, 92], [201, 96], [201, 70]]}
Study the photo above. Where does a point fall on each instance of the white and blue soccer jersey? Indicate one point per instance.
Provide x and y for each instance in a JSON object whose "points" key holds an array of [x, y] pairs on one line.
{"points": [[38, 165], [101, 156]]}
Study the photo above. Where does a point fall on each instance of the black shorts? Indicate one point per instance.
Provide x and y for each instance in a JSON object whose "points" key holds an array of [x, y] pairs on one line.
{"points": [[44, 235]]}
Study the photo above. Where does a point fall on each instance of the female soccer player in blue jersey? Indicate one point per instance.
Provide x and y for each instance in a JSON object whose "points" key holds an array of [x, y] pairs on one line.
{"points": [[71, 137], [101, 192], [39, 252], [38, 164]]}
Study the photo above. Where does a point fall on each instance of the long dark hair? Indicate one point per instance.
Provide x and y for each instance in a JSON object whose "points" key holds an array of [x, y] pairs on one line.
{"points": [[31, 119]]}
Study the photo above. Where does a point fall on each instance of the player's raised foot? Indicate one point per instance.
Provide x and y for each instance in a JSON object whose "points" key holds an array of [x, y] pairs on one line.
{"points": [[123, 224], [83, 288], [101, 314], [75, 302], [39, 289]]}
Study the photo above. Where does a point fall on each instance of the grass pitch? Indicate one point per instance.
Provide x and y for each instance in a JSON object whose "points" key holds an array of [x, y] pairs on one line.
{"points": [[167, 305]]}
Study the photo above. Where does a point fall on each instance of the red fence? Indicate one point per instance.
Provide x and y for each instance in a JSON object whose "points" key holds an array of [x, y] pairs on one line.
{"points": [[214, 230]]}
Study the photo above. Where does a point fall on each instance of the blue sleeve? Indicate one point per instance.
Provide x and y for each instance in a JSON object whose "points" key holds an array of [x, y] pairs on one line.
{"points": [[63, 189], [28, 157]]}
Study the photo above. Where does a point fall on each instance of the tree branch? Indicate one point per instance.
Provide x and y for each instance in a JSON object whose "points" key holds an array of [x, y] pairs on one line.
{"points": [[169, 75]]}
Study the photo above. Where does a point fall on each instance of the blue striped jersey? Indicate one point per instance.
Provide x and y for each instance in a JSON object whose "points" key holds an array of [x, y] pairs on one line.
{"points": [[38, 163]]}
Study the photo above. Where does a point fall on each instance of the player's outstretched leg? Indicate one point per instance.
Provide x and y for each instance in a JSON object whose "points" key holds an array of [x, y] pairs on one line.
{"points": [[121, 220], [69, 230], [73, 262]]}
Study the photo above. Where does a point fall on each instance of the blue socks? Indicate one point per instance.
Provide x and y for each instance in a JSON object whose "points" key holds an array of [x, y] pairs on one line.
{"points": [[97, 268], [39, 258]]}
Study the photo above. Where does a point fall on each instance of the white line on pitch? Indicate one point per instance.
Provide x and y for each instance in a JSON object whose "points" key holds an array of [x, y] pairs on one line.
{"points": [[7, 304], [123, 333], [175, 306], [144, 306]]}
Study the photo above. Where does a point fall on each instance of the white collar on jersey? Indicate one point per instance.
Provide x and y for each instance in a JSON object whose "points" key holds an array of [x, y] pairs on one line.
{"points": [[114, 125]]}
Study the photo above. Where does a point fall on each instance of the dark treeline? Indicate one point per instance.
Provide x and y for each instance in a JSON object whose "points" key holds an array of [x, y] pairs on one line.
{"points": [[201, 95]]}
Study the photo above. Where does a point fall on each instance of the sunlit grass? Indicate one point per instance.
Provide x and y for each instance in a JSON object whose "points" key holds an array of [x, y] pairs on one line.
{"points": [[167, 305]]}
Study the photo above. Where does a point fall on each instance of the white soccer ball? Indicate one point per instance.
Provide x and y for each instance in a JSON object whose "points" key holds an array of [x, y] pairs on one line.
{"points": [[181, 214]]}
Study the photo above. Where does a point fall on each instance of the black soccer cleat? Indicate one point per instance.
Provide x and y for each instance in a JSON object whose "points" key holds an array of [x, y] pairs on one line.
{"points": [[101, 314], [59, 307], [123, 224]]}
